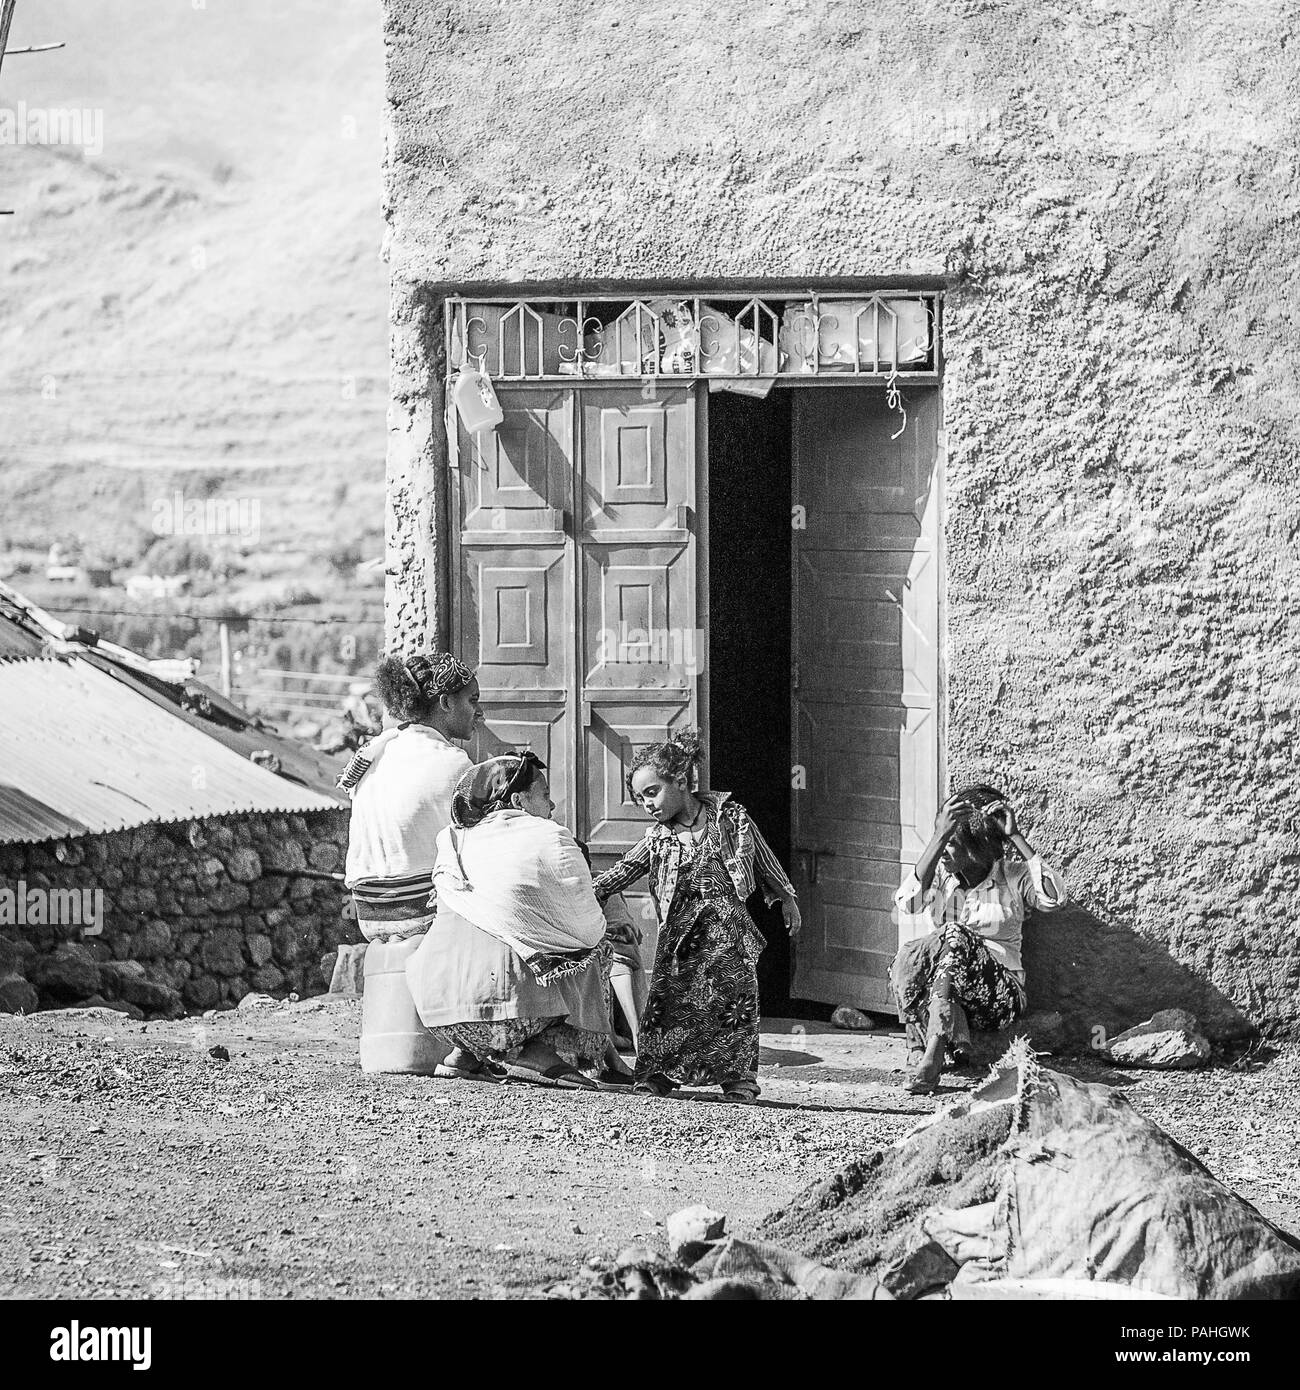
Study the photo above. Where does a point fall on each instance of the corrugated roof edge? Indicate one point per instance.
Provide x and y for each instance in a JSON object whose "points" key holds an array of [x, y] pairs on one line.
{"points": [[83, 833]]}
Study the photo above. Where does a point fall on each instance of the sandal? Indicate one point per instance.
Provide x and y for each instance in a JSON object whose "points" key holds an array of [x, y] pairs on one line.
{"points": [[740, 1092], [486, 1070], [655, 1085], [561, 1077], [918, 1083], [616, 1079]]}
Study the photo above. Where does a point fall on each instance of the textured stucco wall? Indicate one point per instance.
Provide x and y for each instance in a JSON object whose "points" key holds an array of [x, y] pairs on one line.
{"points": [[1109, 192]]}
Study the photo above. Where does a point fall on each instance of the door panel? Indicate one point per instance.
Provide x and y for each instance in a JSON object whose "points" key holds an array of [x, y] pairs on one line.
{"points": [[575, 586], [638, 594], [514, 575], [865, 623]]}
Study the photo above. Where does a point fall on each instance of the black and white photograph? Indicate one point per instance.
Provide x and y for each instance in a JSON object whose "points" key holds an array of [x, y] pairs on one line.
{"points": [[649, 651]]}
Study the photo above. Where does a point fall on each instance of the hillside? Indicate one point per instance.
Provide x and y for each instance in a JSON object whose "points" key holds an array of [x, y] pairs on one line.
{"points": [[199, 306]]}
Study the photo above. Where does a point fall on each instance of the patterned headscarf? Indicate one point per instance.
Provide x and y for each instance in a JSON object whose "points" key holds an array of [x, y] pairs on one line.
{"points": [[488, 786], [437, 673]]}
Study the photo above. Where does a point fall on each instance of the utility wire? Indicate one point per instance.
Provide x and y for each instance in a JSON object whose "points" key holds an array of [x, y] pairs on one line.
{"points": [[210, 617]]}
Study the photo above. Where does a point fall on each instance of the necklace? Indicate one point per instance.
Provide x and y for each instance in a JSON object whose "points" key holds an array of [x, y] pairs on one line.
{"points": [[689, 828]]}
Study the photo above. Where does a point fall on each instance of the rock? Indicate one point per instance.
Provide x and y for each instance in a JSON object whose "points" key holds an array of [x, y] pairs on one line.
{"points": [[11, 957], [267, 977], [349, 975], [693, 1226], [113, 975], [244, 864], [256, 1001], [202, 991], [223, 951], [152, 941], [286, 856], [152, 996], [1169, 1040], [1046, 1031], [260, 949], [846, 1016], [219, 1053], [70, 972], [324, 855], [226, 897], [118, 1006], [327, 963], [17, 996]]}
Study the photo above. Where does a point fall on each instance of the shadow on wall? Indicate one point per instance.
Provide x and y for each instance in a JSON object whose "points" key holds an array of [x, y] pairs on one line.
{"points": [[1097, 973]]}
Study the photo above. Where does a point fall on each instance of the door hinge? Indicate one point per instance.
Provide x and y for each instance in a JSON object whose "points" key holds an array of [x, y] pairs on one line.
{"points": [[796, 675]]}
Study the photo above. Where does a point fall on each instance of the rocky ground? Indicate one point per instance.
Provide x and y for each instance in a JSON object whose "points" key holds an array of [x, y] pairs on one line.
{"points": [[137, 1164]]}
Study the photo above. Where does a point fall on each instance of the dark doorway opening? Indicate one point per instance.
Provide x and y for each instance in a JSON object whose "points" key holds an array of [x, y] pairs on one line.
{"points": [[749, 636]]}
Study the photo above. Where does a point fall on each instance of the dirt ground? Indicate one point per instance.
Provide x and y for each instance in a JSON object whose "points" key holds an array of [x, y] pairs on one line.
{"points": [[134, 1164]]}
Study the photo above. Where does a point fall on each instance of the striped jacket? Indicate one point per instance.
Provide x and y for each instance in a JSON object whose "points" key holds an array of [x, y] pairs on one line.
{"points": [[660, 852]]}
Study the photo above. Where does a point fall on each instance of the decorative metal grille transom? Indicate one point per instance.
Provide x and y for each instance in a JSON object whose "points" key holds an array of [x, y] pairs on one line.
{"points": [[888, 334]]}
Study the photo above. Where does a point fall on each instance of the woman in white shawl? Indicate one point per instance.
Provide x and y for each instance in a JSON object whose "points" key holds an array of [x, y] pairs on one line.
{"points": [[510, 971]]}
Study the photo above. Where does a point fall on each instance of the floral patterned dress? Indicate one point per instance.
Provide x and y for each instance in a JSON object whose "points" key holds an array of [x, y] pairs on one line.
{"points": [[700, 1025]]}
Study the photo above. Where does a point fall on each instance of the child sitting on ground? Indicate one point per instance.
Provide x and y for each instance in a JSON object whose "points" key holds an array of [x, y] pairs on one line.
{"points": [[972, 897]]}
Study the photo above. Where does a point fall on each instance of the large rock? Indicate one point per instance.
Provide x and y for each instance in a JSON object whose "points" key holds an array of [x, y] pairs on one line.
{"points": [[286, 856], [11, 957], [846, 1016], [223, 951], [202, 992], [349, 976], [69, 972], [244, 864], [267, 977], [259, 949], [153, 997], [152, 941], [17, 996], [114, 975], [692, 1228], [1169, 1040]]}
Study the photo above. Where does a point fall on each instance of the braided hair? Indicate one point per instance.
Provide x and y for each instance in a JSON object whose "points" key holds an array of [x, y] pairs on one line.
{"points": [[978, 832], [676, 760]]}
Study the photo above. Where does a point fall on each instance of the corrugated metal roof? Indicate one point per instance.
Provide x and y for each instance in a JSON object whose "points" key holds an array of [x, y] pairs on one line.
{"points": [[82, 753], [219, 718], [16, 638]]}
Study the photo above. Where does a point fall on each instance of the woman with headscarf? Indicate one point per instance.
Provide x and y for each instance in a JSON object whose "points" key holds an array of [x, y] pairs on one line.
{"points": [[511, 972], [972, 897], [401, 784]]}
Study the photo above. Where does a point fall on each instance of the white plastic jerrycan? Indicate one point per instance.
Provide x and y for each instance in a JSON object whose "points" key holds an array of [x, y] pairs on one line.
{"points": [[476, 400], [392, 1037]]}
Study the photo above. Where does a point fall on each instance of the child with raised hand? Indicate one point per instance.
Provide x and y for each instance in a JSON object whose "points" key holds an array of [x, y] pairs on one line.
{"points": [[972, 896], [705, 856]]}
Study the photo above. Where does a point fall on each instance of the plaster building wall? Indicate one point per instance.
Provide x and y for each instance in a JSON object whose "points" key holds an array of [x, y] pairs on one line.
{"points": [[1108, 195]]}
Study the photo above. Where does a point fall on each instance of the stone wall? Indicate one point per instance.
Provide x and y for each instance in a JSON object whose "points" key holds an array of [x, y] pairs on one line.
{"points": [[1103, 190], [195, 915]]}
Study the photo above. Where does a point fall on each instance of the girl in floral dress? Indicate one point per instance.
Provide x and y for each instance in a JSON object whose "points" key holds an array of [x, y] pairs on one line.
{"points": [[705, 857]]}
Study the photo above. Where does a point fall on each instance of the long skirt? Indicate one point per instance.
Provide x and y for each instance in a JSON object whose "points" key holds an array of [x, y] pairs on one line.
{"points": [[700, 1025], [988, 994], [503, 1039]]}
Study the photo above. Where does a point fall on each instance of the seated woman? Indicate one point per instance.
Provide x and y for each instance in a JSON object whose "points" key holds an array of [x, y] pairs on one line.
{"points": [[510, 971], [973, 899]]}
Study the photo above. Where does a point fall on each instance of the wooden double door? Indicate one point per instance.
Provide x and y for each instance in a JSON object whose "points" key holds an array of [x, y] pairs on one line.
{"points": [[577, 595], [576, 589]]}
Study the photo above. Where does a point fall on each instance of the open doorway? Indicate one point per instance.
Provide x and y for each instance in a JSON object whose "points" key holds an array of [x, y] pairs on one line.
{"points": [[823, 607], [749, 635]]}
